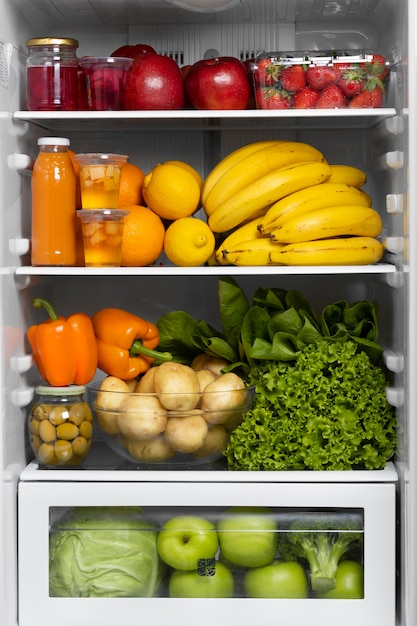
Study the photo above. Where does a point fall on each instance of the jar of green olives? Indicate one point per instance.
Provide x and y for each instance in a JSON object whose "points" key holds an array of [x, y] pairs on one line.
{"points": [[60, 426]]}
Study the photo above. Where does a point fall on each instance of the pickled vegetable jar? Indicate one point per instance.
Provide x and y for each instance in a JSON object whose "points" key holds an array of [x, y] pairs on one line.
{"points": [[52, 74], [60, 426]]}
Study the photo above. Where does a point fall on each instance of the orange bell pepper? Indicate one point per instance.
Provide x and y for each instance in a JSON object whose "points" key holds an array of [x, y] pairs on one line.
{"points": [[64, 350], [125, 343]]}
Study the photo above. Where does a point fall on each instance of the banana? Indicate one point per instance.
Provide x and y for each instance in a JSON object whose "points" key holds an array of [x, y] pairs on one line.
{"points": [[234, 157], [337, 251], [251, 252], [310, 199], [243, 233], [256, 165], [348, 174], [339, 221], [266, 190]]}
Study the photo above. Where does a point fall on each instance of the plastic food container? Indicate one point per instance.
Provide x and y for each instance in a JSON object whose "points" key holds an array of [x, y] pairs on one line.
{"points": [[105, 81], [60, 426], [320, 79], [102, 236], [139, 428], [100, 179]]}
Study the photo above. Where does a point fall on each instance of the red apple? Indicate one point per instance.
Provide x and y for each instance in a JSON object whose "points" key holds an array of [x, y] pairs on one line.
{"points": [[154, 82], [133, 51], [250, 64], [220, 83]]}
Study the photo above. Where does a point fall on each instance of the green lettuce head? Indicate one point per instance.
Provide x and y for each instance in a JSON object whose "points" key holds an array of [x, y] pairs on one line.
{"points": [[104, 552]]}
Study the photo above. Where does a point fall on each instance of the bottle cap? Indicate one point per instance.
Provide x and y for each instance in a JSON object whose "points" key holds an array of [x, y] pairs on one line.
{"points": [[53, 141]]}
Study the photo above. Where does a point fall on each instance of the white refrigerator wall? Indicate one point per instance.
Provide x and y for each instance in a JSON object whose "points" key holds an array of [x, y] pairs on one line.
{"points": [[281, 24]]}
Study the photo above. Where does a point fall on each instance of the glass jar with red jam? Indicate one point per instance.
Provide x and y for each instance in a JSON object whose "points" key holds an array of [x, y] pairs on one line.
{"points": [[52, 74]]}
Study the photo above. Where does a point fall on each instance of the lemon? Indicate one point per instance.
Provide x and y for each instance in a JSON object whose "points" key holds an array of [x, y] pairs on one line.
{"points": [[172, 191], [189, 242]]}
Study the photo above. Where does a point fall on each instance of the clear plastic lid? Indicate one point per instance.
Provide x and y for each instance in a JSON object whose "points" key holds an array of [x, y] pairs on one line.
{"points": [[53, 141]]}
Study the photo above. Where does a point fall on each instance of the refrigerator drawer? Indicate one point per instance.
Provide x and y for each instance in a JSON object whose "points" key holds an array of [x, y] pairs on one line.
{"points": [[63, 522]]}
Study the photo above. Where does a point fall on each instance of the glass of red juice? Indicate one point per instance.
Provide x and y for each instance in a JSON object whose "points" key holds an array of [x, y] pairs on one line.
{"points": [[105, 81]]}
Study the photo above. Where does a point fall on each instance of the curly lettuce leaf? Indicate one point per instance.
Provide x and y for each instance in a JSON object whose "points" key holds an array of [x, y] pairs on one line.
{"points": [[326, 410]]}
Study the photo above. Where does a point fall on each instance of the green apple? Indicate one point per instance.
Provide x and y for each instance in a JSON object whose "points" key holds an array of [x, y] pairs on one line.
{"points": [[280, 579], [349, 582], [185, 539], [214, 580], [248, 536]]}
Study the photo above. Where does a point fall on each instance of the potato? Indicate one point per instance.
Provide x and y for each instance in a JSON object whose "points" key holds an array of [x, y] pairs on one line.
{"points": [[205, 377], [177, 386], [199, 361], [214, 443], [117, 388], [141, 417], [208, 362], [108, 421], [146, 383], [186, 433], [131, 383], [222, 399], [157, 449]]}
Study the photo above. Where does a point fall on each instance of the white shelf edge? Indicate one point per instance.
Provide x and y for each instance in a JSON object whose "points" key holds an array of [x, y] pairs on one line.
{"points": [[200, 114], [379, 268], [33, 473]]}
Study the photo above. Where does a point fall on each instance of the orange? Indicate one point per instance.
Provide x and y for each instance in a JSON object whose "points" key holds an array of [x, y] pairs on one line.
{"points": [[172, 191], [143, 236], [131, 182]]}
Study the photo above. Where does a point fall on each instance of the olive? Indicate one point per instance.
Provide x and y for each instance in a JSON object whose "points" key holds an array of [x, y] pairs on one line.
{"points": [[58, 415], [34, 426], [47, 431], [76, 414], [67, 431], [63, 450], [46, 454], [86, 429]]}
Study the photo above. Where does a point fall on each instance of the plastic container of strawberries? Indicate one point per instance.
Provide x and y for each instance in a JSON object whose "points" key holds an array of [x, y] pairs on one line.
{"points": [[325, 79]]}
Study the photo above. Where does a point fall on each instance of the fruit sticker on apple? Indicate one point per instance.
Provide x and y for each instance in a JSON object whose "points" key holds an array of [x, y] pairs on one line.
{"points": [[248, 536], [186, 539], [216, 582]]}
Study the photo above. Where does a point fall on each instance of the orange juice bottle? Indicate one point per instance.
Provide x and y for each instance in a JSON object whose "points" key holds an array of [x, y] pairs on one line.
{"points": [[53, 204]]}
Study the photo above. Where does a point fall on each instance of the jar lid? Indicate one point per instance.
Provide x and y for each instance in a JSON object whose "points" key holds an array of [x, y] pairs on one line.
{"points": [[71, 390], [53, 141], [52, 41]]}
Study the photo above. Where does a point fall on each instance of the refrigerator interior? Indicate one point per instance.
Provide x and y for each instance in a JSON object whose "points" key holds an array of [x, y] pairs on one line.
{"points": [[376, 141]]}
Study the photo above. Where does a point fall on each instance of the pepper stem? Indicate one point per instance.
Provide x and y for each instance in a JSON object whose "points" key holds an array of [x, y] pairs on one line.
{"points": [[38, 303], [138, 348]]}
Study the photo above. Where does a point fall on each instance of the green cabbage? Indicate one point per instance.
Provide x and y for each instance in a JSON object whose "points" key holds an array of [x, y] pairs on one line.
{"points": [[103, 552]]}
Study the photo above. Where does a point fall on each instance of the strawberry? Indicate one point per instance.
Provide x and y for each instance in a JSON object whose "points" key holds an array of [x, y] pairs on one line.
{"points": [[352, 80], [378, 67], [331, 97], [271, 98], [368, 99], [292, 78], [266, 73], [306, 98], [319, 77]]}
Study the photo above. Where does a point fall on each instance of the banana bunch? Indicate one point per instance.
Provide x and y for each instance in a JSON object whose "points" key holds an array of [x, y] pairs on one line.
{"points": [[246, 182], [320, 214]]}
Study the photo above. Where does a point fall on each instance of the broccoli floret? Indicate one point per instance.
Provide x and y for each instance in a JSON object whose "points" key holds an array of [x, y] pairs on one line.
{"points": [[322, 541]]}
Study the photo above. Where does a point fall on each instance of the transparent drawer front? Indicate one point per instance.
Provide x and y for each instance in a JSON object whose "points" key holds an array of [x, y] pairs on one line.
{"points": [[240, 552], [306, 551]]}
